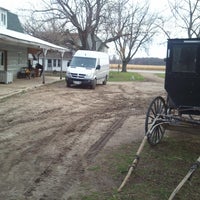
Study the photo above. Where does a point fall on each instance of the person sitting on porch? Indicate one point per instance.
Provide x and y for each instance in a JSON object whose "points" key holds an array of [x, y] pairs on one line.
{"points": [[39, 66], [30, 70]]}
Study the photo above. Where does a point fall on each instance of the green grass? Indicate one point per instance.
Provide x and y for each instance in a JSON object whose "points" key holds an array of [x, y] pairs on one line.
{"points": [[161, 75], [159, 171], [115, 76], [94, 168]]}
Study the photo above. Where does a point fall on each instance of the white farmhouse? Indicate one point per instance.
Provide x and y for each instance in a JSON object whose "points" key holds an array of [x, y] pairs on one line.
{"points": [[18, 48]]}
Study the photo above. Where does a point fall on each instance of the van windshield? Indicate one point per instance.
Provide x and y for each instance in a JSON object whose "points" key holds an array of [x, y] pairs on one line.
{"points": [[83, 62]]}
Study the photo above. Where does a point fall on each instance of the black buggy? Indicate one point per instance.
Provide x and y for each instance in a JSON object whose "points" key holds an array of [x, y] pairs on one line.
{"points": [[181, 106], [182, 84]]}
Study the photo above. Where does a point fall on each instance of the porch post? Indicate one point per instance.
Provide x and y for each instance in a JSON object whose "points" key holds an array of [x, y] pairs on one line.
{"points": [[61, 67], [44, 64]]}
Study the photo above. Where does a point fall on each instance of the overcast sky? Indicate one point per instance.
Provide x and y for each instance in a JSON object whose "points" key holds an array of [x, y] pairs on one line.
{"points": [[156, 50], [14, 5]]}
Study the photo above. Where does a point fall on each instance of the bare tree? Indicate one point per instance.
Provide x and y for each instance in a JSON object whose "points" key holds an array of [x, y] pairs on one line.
{"points": [[83, 21], [186, 14], [44, 27], [137, 28], [85, 16], [51, 31], [129, 25]]}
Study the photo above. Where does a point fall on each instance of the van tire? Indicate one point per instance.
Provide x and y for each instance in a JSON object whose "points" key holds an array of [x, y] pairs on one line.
{"points": [[68, 84], [94, 83], [105, 80]]}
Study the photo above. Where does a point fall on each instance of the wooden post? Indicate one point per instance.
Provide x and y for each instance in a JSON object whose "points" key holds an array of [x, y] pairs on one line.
{"points": [[44, 64], [187, 177], [61, 67], [137, 156], [134, 163]]}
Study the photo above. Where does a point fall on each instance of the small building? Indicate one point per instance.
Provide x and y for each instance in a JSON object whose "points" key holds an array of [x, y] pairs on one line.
{"points": [[74, 43], [17, 49], [53, 60]]}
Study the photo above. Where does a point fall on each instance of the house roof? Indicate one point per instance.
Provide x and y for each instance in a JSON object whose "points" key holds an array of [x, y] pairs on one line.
{"points": [[73, 39], [28, 40], [13, 22], [14, 35]]}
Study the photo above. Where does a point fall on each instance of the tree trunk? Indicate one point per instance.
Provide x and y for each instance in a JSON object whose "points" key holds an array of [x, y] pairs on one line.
{"points": [[124, 65], [84, 40]]}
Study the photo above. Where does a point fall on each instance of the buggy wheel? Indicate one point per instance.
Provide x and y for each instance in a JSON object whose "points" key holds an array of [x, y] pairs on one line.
{"points": [[155, 135]]}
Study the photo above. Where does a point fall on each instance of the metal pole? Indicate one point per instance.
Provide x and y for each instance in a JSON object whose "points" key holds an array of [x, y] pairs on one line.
{"points": [[62, 54], [44, 65], [187, 177], [137, 155]]}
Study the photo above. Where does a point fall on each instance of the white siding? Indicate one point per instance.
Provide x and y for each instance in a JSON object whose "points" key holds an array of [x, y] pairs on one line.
{"points": [[3, 18], [16, 57], [52, 67]]}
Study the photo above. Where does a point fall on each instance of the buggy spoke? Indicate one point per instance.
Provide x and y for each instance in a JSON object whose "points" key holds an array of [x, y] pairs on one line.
{"points": [[156, 108]]}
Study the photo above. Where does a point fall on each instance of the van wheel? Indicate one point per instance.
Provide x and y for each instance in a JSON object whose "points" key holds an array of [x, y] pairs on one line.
{"points": [[105, 80], [68, 84], [94, 83]]}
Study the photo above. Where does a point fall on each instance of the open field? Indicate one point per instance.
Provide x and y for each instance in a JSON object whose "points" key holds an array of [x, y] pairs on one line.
{"points": [[139, 67], [115, 67]]}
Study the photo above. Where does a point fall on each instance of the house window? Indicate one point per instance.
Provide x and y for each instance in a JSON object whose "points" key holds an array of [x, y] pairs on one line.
{"points": [[49, 64], [3, 19], [1, 58], [19, 57], [59, 63], [54, 62]]}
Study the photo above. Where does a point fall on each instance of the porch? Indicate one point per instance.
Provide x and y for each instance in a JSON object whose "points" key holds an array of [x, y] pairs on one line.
{"points": [[22, 85]]}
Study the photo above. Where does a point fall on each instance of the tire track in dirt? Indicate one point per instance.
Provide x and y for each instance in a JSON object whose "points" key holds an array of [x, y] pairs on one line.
{"points": [[68, 139], [37, 117], [99, 144], [58, 159], [77, 165], [78, 126]]}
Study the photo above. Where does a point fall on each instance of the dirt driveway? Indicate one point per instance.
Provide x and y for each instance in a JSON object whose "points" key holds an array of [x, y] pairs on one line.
{"points": [[49, 135]]}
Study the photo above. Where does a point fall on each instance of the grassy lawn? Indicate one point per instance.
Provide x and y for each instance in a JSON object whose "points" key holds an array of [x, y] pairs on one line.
{"points": [[161, 75], [159, 171], [115, 76]]}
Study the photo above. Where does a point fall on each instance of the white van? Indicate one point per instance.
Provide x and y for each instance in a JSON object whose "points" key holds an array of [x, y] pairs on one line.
{"points": [[88, 68]]}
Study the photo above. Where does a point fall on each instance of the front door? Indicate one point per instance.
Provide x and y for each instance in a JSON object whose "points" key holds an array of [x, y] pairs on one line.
{"points": [[3, 60]]}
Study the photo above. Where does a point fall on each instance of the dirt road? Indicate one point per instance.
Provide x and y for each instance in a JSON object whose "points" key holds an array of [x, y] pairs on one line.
{"points": [[49, 135]]}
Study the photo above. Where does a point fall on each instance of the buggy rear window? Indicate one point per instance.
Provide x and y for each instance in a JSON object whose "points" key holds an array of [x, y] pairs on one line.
{"points": [[184, 58]]}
